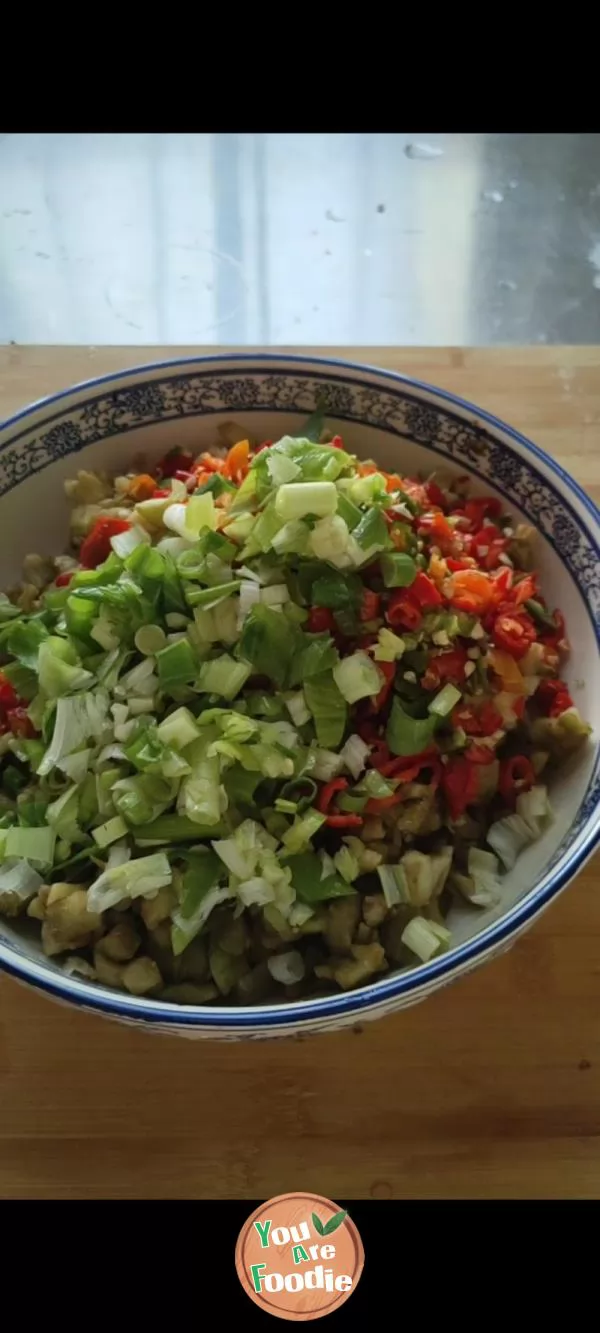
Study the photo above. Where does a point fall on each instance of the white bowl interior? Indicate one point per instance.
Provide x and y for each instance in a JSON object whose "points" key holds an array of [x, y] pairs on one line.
{"points": [[34, 516]]}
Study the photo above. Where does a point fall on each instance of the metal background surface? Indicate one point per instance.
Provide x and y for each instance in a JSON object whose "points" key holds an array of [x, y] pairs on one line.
{"points": [[299, 239]]}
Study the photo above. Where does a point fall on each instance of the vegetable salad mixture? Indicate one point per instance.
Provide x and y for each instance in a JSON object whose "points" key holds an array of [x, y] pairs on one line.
{"points": [[271, 716]]}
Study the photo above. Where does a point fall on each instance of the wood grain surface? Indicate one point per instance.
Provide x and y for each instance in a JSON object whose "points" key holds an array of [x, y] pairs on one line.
{"points": [[491, 1088]]}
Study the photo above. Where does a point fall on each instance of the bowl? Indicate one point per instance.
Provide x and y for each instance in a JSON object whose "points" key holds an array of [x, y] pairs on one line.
{"points": [[106, 422]]}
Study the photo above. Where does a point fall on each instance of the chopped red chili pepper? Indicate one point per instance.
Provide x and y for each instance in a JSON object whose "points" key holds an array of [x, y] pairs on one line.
{"points": [[477, 720], [480, 506], [20, 723], [376, 804], [320, 619], [454, 565], [344, 821], [488, 545], [402, 610], [445, 666], [160, 494], [516, 775], [96, 548], [337, 442], [514, 632], [365, 727], [556, 638], [380, 753], [369, 608], [8, 695], [208, 463], [480, 754], [388, 669], [407, 768], [63, 580], [502, 581], [265, 445], [435, 494], [437, 528], [177, 460], [460, 785], [553, 697], [327, 793], [424, 591], [525, 589]]}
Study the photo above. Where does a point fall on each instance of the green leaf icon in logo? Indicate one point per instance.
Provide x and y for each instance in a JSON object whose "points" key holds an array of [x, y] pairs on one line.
{"points": [[318, 1225], [334, 1222]]}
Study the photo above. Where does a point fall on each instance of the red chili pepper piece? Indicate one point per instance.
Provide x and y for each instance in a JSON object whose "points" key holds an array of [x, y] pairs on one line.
{"points": [[402, 610], [265, 445], [320, 619], [8, 696], [553, 697], [424, 591], [160, 494], [482, 720], [437, 528], [460, 785], [376, 804], [96, 548], [63, 580], [516, 775], [369, 608], [480, 506], [337, 442], [525, 589], [20, 723], [454, 565], [388, 669], [435, 494], [556, 638], [514, 632], [327, 793], [177, 460], [502, 583], [380, 753], [344, 821], [480, 754], [406, 768], [488, 545], [445, 666]]}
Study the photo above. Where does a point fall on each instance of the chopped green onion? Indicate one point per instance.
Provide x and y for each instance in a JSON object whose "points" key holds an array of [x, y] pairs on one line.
{"points": [[178, 729], [35, 845], [150, 639], [425, 938], [407, 735], [540, 614], [389, 646], [328, 708], [109, 832], [176, 664], [443, 702], [210, 597], [357, 677], [223, 676], [398, 570], [296, 499], [372, 534], [310, 887]]}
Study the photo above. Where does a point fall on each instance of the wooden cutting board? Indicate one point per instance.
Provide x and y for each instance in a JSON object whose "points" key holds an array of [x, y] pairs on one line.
{"points": [[491, 1088]]}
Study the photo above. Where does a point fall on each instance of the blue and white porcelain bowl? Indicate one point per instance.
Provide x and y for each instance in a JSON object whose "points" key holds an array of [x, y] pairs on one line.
{"points": [[106, 422]]}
